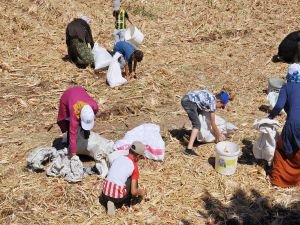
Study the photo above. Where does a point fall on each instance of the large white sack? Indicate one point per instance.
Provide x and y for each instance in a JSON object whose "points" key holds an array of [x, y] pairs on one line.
{"points": [[114, 73], [95, 146], [265, 145], [102, 58], [206, 134], [149, 135]]}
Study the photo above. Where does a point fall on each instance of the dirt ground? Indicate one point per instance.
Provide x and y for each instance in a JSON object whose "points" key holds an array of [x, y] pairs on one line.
{"points": [[189, 45]]}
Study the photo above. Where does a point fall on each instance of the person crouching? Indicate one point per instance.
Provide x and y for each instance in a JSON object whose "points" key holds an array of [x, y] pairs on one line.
{"points": [[121, 183]]}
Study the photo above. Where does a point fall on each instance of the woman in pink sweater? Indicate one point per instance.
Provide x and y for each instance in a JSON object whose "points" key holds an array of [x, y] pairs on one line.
{"points": [[76, 105]]}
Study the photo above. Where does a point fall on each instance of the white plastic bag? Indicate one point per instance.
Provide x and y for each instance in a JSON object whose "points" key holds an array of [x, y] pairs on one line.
{"points": [[102, 58], [206, 134], [114, 73], [149, 135], [265, 145]]}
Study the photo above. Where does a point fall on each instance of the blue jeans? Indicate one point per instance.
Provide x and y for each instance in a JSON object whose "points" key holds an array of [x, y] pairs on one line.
{"points": [[119, 35]]}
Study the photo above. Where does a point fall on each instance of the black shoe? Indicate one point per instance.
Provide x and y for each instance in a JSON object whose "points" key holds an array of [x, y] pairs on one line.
{"points": [[190, 152]]}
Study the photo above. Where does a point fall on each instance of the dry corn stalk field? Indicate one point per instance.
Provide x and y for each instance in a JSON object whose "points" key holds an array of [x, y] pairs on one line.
{"points": [[189, 44]]}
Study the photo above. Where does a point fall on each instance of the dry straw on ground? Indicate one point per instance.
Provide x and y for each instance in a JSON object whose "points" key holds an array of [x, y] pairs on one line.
{"points": [[189, 44]]}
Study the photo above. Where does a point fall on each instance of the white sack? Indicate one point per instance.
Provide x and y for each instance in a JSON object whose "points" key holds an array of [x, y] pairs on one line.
{"points": [[265, 145], [38, 156], [114, 155], [102, 58], [114, 73], [272, 98], [96, 147], [60, 165], [206, 134], [71, 170], [149, 135], [76, 170]]}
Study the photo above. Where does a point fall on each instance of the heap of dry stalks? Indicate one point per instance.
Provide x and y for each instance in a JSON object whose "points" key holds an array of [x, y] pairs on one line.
{"points": [[189, 45]]}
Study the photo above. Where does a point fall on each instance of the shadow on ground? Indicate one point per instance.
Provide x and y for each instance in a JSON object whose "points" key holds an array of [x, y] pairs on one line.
{"points": [[265, 108], [183, 136], [248, 158], [248, 209]]}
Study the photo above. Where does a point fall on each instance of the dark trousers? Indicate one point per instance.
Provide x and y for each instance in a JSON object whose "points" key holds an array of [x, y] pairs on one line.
{"points": [[119, 202], [64, 126], [192, 110]]}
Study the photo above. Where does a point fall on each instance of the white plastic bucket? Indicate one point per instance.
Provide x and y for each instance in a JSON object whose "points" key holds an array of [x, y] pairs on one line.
{"points": [[275, 84], [226, 157], [134, 35]]}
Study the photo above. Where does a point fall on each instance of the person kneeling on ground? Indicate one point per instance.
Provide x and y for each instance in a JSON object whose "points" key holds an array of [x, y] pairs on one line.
{"points": [[130, 55], [196, 101], [76, 105], [121, 183], [286, 162], [78, 36]]}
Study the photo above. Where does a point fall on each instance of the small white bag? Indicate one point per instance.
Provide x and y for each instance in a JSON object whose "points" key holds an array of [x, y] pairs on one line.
{"points": [[265, 145], [102, 58], [114, 73]]}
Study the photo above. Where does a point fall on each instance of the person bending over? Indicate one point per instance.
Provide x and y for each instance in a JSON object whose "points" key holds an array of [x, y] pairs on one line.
{"points": [[202, 100], [76, 110], [130, 57]]}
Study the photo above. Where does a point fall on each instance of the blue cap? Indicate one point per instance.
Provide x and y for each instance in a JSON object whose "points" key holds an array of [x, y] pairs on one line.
{"points": [[224, 98]]}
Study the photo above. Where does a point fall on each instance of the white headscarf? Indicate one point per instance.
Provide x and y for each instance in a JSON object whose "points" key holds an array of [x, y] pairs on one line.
{"points": [[86, 19]]}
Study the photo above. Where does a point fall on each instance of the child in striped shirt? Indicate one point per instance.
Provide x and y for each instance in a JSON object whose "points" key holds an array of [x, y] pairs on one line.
{"points": [[121, 183]]}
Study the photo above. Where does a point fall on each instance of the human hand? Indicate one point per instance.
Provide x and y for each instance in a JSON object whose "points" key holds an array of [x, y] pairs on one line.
{"points": [[141, 192], [70, 156], [220, 137]]}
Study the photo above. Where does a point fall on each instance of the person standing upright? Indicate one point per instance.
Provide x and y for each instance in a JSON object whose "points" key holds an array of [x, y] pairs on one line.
{"points": [[120, 16]]}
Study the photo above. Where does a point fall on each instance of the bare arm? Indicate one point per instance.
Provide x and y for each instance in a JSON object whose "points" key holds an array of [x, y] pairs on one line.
{"points": [[135, 191], [134, 65], [127, 17], [126, 70], [219, 136]]}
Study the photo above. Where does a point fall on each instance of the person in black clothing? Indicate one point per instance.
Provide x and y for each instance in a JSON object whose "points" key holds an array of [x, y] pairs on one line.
{"points": [[78, 36], [289, 49]]}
